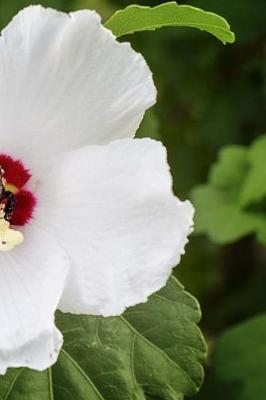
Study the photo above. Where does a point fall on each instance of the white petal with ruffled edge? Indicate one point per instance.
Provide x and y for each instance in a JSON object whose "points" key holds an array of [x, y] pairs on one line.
{"points": [[65, 82], [113, 210], [32, 277]]}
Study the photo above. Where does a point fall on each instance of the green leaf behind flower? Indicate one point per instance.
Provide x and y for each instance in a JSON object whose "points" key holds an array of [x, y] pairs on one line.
{"points": [[233, 202], [238, 363], [155, 350], [137, 18], [240, 359]]}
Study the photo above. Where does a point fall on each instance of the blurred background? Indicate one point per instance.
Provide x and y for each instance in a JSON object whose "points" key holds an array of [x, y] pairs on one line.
{"points": [[209, 96]]}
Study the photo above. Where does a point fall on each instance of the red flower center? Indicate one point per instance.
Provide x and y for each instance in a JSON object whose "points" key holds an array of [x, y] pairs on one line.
{"points": [[18, 203]]}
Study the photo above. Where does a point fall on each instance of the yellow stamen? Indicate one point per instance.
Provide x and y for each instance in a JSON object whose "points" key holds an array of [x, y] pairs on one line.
{"points": [[11, 188]]}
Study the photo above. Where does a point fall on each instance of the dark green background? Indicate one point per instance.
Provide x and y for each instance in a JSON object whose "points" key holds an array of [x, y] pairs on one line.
{"points": [[210, 95]]}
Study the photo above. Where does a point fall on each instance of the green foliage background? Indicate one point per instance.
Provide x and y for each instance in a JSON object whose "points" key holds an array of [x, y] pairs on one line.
{"points": [[210, 96]]}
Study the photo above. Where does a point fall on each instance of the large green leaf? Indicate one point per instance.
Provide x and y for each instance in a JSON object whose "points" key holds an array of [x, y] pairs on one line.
{"points": [[154, 350], [240, 359], [137, 18]]}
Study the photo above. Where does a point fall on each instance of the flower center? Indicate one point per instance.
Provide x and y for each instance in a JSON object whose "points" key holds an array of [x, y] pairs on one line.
{"points": [[16, 203]]}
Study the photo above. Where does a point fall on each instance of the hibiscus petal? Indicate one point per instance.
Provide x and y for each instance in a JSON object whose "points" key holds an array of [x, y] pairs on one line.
{"points": [[32, 277], [66, 81], [113, 210]]}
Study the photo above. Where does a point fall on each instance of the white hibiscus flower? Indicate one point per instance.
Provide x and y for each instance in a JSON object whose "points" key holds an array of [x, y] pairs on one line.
{"points": [[102, 229]]}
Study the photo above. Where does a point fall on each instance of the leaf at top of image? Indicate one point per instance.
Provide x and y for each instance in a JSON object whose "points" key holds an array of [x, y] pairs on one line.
{"points": [[135, 18], [154, 350]]}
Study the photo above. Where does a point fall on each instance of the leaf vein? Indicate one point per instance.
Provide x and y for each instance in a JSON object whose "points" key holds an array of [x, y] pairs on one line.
{"points": [[83, 373], [184, 373]]}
